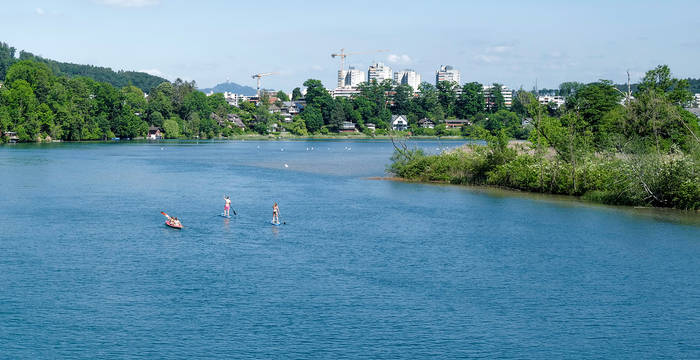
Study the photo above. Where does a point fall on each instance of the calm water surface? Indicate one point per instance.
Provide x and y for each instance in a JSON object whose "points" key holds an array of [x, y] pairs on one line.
{"points": [[363, 268]]}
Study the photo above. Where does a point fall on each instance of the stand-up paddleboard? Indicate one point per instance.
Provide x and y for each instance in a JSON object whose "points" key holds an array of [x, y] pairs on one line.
{"points": [[275, 224], [226, 216]]}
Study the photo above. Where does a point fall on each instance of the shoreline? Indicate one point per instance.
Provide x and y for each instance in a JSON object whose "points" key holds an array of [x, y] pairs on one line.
{"points": [[258, 138], [665, 213]]}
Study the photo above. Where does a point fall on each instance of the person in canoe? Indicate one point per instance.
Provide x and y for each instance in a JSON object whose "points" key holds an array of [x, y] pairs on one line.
{"points": [[172, 221], [275, 213]]}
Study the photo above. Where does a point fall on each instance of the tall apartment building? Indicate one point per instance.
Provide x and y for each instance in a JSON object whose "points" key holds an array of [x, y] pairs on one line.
{"points": [[408, 77], [507, 95], [379, 72], [350, 78], [447, 73]]}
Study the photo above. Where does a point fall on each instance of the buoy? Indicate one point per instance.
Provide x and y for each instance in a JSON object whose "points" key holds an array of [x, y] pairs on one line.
{"points": [[285, 165]]}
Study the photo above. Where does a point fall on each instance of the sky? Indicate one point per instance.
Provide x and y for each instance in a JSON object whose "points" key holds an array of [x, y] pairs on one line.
{"points": [[516, 43]]}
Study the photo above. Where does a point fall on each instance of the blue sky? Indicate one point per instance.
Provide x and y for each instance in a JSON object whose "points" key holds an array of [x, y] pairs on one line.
{"points": [[510, 42]]}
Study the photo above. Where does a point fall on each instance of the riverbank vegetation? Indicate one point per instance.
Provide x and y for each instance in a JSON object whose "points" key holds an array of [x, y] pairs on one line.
{"points": [[638, 149]]}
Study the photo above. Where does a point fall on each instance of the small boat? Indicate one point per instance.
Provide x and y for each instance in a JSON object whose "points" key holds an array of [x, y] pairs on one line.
{"points": [[174, 226]]}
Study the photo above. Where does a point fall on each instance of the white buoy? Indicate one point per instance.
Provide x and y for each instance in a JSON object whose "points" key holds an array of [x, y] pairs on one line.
{"points": [[285, 165]]}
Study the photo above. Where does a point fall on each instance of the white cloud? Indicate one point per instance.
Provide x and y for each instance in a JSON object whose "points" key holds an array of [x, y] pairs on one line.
{"points": [[129, 3], [399, 59], [40, 11], [488, 59]]}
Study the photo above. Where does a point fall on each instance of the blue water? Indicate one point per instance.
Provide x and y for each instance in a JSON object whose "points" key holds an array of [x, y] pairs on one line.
{"points": [[363, 268]]}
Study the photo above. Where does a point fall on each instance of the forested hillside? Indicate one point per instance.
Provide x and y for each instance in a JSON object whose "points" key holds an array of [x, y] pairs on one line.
{"points": [[118, 79]]}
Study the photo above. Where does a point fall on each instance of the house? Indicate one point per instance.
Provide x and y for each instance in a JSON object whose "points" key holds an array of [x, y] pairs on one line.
{"points": [[231, 119], [289, 109], [398, 122], [274, 108], [426, 123], [11, 137], [371, 126], [347, 126], [154, 133], [456, 123]]}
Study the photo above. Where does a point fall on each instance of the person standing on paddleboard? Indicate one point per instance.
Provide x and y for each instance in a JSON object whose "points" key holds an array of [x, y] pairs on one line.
{"points": [[227, 206], [275, 214]]}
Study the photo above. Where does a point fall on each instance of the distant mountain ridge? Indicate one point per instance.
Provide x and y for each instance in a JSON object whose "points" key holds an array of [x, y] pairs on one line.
{"points": [[117, 79], [232, 88]]}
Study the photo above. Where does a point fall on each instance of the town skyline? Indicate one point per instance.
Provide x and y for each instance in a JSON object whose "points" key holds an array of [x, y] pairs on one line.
{"points": [[221, 41]]}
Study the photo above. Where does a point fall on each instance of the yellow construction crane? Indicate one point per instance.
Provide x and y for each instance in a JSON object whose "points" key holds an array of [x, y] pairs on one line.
{"points": [[342, 55], [259, 76]]}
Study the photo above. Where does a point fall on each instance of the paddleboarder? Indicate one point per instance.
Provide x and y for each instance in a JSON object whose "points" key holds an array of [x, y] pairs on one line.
{"points": [[275, 214], [227, 206]]}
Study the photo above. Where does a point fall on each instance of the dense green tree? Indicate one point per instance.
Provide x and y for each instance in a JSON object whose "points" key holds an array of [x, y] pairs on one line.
{"points": [[677, 91], [569, 88], [282, 96], [471, 101], [296, 94], [447, 96], [313, 118]]}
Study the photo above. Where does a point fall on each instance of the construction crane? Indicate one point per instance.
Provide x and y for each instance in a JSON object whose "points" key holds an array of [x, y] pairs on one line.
{"points": [[342, 55], [258, 77]]}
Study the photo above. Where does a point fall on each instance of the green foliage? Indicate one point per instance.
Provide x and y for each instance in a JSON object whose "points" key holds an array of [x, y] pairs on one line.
{"points": [[282, 96], [296, 94], [172, 129]]}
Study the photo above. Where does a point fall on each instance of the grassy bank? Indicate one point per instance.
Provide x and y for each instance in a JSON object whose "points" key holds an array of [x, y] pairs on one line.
{"points": [[668, 180]]}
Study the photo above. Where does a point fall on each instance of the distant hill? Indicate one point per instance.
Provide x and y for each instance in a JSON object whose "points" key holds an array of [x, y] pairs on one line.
{"points": [[231, 87], [117, 78]]}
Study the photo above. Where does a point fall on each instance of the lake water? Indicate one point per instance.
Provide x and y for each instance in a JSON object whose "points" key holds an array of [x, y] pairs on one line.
{"points": [[363, 268]]}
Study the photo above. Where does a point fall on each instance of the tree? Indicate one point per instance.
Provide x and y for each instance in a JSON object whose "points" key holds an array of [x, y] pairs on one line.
{"points": [[312, 118], [171, 128], [282, 96], [296, 94], [403, 96], [677, 91], [447, 96], [471, 100], [569, 88], [429, 103], [337, 116], [592, 102]]}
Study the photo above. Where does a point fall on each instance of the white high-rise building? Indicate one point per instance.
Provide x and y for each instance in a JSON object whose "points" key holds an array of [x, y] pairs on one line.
{"points": [[379, 72], [447, 73], [507, 95], [353, 77], [408, 77]]}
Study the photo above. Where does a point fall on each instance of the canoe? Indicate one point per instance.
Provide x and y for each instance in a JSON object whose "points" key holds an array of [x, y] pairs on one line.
{"points": [[173, 226]]}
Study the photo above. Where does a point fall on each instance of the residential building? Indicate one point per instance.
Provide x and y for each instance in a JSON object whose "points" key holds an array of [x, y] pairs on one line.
{"points": [[371, 126], [447, 73], [546, 99], [456, 123], [154, 133], [347, 126], [426, 123], [697, 101], [407, 77], [507, 96], [379, 72], [344, 92], [398, 122], [231, 120], [351, 78]]}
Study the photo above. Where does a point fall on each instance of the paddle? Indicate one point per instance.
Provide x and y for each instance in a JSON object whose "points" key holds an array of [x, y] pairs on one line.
{"points": [[166, 215]]}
